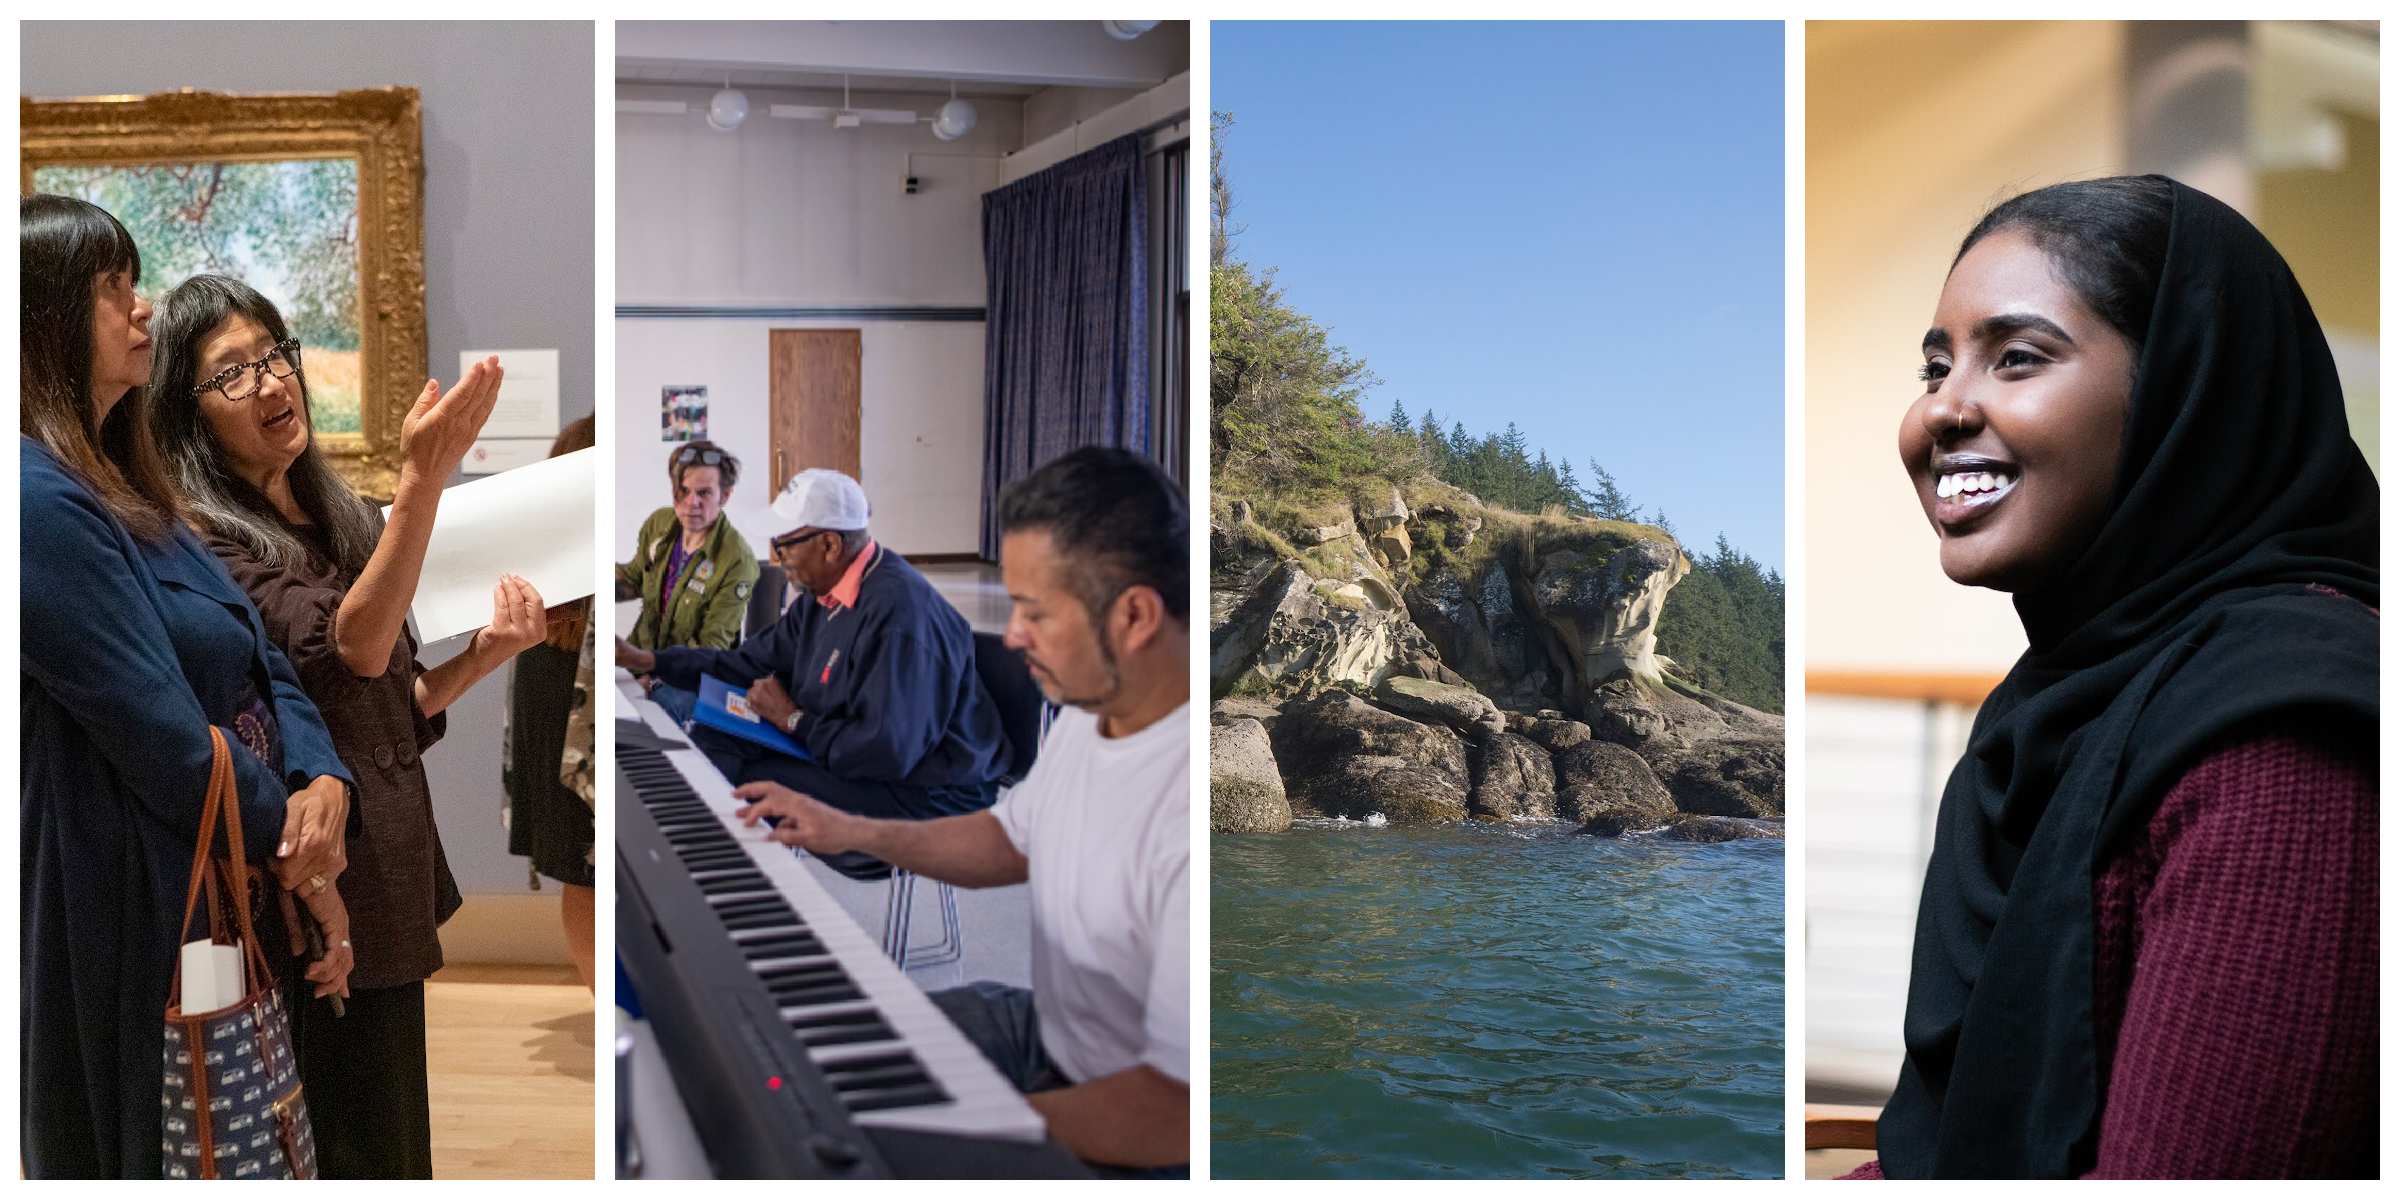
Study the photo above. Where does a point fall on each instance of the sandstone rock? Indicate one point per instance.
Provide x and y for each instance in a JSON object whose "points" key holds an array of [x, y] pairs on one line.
{"points": [[1620, 712], [1610, 790], [1460, 707], [1691, 828], [1393, 545], [1556, 736], [1318, 535], [1234, 708], [1245, 792], [1484, 634], [1604, 602], [1516, 781], [1728, 779], [1242, 513], [1400, 791], [1342, 756], [1389, 513]]}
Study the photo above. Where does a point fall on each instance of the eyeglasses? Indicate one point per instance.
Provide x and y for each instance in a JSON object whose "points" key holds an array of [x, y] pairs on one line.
{"points": [[694, 454], [242, 380], [790, 540]]}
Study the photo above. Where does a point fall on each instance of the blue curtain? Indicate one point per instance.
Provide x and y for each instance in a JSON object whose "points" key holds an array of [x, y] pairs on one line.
{"points": [[1066, 354]]}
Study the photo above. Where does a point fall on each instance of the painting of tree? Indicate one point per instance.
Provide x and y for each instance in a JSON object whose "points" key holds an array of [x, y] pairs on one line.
{"points": [[286, 227]]}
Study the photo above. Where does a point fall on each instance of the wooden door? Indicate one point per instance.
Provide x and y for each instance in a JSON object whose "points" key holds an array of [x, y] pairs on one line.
{"points": [[812, 402]]}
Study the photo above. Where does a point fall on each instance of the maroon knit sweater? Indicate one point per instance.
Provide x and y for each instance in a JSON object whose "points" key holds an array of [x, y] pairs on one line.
{"points": [[2235, 972]]}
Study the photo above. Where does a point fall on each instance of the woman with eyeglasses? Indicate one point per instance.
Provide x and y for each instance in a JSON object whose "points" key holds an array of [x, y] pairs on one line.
{"points": [[334, 582], [132, 643], [691, 569]]}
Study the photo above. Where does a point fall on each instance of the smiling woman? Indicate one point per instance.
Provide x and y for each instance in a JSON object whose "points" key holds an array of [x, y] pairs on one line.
{"points": [[2146, 944], [2028, 371], [333, 582]]}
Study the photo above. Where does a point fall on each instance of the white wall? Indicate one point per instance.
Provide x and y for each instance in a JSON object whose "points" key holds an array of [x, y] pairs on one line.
{"points": [[791, 214], [920, 423]]}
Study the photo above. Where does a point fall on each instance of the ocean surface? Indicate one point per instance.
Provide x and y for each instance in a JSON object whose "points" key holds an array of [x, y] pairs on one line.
{"points": [[1494, 1001]]}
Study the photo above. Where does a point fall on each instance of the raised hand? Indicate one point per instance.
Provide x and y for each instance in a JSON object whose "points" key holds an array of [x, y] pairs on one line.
{"points": [[441, 427]]}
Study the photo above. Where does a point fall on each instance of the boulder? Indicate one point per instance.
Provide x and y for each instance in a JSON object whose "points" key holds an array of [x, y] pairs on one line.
{"points": [[1318, 535], [1610, 790], [1390, 512], [1622, 712], [1344, 757], [1516, 781], [1690, 828], [1245, 791], [1393, 545], [1400, 791], [1556, 736], [1462, 708], [1728, 779]]}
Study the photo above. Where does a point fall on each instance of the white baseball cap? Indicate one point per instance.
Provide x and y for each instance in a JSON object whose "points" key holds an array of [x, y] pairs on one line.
{"points": [[820, 499]]}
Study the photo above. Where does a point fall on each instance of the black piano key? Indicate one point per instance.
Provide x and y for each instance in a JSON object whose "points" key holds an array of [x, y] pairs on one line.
{"points": [[812, 996], [910, 1097], [847, 1029], [785, 945]]}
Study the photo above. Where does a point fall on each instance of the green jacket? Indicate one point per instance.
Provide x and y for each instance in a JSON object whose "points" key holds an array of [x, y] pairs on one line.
{"points": [[711, 597]]}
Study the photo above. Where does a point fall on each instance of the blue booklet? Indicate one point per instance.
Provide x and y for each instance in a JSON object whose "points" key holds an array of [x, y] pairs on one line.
{"points": [[727, 709]]}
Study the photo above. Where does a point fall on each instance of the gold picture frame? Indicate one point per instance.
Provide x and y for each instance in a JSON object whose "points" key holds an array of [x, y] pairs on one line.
{"points": [[296, 159]]}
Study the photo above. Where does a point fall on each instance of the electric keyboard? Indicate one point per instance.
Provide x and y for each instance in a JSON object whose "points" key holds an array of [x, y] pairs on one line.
{"points": [[799, 1049]]}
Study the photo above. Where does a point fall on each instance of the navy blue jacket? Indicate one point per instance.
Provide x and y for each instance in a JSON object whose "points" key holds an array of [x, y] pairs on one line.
{"points": [[129, 652], [888, 688]]}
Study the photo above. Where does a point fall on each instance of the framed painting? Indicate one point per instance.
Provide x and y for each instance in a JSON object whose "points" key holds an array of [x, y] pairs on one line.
{"points": [[318, 201]]}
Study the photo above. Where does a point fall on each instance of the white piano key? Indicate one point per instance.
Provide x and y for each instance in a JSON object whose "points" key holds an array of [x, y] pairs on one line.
{"points": [[981, 1103]]}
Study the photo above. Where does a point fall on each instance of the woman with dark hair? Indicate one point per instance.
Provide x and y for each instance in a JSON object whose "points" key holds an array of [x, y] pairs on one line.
{"points": [[132, 643], [547, 821], [334, 583], [691, 569], [2147, 940]]}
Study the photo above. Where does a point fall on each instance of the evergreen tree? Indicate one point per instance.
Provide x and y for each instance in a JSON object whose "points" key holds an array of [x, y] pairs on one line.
{"points": [[1604, 500], [1399, 419]]}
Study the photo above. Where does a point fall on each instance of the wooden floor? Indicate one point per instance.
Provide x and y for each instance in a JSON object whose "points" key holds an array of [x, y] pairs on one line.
{"points": [[509, 1052]]}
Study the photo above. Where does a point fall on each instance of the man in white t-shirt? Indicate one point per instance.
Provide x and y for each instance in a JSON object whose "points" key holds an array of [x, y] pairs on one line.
{"points": [[1094, 553]]}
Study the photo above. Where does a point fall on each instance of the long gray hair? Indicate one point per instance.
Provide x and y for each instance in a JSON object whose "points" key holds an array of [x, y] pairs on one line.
{"points": [[217, 498]]}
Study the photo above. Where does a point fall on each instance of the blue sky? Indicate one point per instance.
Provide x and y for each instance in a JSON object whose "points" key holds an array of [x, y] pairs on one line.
{"points": [[1576, 227]]}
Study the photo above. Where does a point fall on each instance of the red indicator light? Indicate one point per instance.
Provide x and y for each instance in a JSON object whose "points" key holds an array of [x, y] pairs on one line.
{"points": [[774, 1083]]}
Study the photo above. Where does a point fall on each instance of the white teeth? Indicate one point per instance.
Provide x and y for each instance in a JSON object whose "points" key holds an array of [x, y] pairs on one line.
{"points": [[1987, 485]]}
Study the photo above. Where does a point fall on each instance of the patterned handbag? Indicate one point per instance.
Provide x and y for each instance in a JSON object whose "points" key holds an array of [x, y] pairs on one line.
{"points": [[231, 1095]]}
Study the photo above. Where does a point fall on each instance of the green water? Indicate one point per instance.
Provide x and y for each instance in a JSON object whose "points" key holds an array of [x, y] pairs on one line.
{"points": [[1517, 1001]]}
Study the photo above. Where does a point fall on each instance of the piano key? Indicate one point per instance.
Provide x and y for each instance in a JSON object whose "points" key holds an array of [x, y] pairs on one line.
{"points": [[927, 1077]]}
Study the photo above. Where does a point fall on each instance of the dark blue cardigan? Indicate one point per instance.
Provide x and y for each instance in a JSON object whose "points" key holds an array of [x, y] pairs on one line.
{"points": [[129, 652]]}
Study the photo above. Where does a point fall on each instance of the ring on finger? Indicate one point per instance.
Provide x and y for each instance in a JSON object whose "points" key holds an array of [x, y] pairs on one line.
{"points": [[316, 883]]}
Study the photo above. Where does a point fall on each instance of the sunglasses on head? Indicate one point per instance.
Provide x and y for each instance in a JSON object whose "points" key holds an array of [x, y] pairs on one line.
{"points": [[693, 454]]}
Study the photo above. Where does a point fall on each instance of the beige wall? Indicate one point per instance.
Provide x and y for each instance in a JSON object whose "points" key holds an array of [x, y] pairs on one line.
{"points": [[1914, 129]]}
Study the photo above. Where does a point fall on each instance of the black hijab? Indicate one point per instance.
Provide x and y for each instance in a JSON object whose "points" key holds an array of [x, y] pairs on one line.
{"points": [[2197, 611]]}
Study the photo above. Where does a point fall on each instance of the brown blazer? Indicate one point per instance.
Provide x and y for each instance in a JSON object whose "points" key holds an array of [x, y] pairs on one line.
{"points": [[398, 886]]}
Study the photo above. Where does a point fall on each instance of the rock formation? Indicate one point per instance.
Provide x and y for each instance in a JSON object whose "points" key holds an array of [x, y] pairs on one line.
{"points": [[1419, 656]]}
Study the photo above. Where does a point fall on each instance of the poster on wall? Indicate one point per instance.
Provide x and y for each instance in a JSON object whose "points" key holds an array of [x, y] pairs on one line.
{"points": [[682, 413]]}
